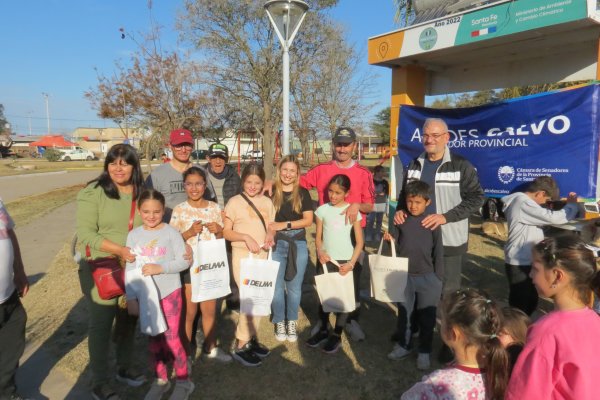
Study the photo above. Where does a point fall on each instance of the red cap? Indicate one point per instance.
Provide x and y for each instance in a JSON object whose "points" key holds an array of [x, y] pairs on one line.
{"points": [[179, 136]]}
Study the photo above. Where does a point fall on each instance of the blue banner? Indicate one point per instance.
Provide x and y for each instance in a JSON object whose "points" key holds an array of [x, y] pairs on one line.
{"points": [[513, 142]]}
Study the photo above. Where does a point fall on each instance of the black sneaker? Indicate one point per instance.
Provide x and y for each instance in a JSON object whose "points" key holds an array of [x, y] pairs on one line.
{"points": [[246, 356], [258, 348], [332, 344], [104, 392], [131, 377], [318, 338]]}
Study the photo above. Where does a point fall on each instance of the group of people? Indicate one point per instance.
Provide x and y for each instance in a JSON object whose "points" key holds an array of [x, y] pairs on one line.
{"points": [[493, 354]]}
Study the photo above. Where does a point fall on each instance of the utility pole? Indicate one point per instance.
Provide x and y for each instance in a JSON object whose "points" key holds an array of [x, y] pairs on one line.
{"points": [[47, 110]]}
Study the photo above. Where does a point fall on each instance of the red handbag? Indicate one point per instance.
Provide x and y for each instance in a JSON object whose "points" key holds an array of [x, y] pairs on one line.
{"points": [[109, 277], [107, 272]]}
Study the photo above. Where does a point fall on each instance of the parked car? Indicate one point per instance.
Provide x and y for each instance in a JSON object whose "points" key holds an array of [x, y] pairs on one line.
{"points": [[199, 155], [77, 154], [253, 155]]}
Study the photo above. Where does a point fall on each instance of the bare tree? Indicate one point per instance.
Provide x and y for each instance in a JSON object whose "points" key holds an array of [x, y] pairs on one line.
{"points": [[244, 58], [160, 90], [342, 89]]}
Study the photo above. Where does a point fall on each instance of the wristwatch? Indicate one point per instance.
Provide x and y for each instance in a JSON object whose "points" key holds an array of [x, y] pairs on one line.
{"points": [[289, 225]]}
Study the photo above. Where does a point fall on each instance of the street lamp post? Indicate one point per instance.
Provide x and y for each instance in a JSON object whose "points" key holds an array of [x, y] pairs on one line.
{"points": [[286, 16], [47, 111], [100, 131]]}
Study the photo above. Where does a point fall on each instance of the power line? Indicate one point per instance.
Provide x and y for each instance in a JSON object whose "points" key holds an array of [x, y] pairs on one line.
{"points": [[54, 119]]}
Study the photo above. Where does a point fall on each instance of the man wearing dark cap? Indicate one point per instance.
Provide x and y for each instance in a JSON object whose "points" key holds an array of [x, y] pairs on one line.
{"points": [[167, 178], [223, 181], [361, 198]]}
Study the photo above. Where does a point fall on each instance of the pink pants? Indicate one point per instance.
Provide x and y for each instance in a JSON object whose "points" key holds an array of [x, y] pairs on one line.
{"points": [[167, 345]]}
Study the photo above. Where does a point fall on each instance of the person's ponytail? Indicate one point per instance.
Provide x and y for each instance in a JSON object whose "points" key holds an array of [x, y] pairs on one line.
{"points": [[496, 369]]}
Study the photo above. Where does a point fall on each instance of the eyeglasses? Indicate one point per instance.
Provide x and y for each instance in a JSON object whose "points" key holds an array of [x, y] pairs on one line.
{"points": [[183, 146], [194, 185], [343, 144], [434, 136]]}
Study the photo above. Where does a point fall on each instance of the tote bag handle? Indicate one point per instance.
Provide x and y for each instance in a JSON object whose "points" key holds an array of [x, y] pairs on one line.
{"points": [[392, 245]]}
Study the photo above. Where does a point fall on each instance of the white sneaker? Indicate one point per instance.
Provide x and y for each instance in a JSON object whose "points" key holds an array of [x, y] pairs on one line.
{"points": [[423, 362], [292, 335], [216, 354], [158, 388], [280, 334], [398, 352], [355, 331], [182, 390]]}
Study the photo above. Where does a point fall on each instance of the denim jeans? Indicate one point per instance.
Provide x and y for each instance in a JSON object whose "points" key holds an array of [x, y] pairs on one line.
{"points": [[286, 299], [373, 228]]}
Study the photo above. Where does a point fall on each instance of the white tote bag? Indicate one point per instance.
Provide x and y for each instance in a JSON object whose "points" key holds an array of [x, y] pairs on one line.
{"points": [[152, 319], [209, 273], [257, 277], [388, 276], [336, 292]]}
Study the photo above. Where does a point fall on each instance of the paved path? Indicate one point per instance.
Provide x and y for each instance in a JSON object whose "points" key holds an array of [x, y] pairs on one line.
{"points": [[16, 186]]}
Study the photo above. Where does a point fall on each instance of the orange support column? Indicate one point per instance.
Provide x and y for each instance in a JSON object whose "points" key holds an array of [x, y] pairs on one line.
{"points": [[408, 88]]}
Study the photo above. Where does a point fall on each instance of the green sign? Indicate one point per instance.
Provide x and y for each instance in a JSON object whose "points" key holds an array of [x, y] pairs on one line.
{"points": [[517, 16]]}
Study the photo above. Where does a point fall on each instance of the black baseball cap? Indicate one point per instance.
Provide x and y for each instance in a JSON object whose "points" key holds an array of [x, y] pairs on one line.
{"points": [[344, 135], [218, 150]]}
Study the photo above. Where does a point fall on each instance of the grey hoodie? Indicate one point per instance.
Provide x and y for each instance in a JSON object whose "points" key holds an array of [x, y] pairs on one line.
{"points": [[525, 218]]}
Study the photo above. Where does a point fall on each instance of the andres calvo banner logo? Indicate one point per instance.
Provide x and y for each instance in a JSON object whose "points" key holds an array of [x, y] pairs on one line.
{"points": [[513, 142]]}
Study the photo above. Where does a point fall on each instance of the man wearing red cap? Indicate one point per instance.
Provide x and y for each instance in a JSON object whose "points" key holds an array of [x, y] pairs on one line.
{"points": [[167, 178]]}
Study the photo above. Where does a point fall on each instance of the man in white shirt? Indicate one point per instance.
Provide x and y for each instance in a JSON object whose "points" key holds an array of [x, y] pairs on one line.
{"points": [[13, 285]]}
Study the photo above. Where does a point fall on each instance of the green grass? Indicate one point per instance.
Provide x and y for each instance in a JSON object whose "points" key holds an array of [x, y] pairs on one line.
{"points": [[29, 208]]}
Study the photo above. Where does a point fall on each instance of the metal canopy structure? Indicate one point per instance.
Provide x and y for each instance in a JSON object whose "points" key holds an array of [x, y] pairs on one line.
{"points": [[500, 44], [511, 43]]}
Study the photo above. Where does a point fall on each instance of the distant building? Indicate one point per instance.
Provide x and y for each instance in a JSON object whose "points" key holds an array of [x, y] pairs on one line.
{"points": [[20, 144], [99, 140]]}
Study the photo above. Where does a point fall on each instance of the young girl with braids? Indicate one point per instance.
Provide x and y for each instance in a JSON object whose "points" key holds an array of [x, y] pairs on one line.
{"points": [[471, 323], [560, 358]]}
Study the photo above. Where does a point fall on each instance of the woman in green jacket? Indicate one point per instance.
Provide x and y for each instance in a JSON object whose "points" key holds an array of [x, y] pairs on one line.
{"points": [[103, 214]]}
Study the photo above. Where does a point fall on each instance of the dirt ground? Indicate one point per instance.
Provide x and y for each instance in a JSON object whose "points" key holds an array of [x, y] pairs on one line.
{"points": [[57, 318]]}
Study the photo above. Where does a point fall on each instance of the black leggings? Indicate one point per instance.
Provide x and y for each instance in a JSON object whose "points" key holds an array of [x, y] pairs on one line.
{"points": [[522, 293]]}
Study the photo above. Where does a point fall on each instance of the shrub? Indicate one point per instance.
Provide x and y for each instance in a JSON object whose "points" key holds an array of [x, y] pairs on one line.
{"points": [[52, 154]]}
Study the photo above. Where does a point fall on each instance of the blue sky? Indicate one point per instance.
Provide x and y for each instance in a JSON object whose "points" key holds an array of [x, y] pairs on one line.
{"points": [[56, 46]]}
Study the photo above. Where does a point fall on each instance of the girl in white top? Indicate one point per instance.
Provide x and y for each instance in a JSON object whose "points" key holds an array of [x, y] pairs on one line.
{"points": [[197, 217], [471, 326]]}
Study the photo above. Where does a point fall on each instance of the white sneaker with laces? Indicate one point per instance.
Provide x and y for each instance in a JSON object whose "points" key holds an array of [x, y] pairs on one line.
{"points": [[355, 331], [280, 334], [423, 361], [158, 388], [182, 390], [292, 335], [398, 352], [217, 354]]}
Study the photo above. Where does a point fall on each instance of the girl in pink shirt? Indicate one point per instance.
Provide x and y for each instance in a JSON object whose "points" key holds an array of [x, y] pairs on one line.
{"points": [[471, 325], [560, 359]]}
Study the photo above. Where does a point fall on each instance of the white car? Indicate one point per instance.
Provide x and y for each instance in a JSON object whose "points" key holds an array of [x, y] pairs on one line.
{"points": [[77, 154], [253, 154]]}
